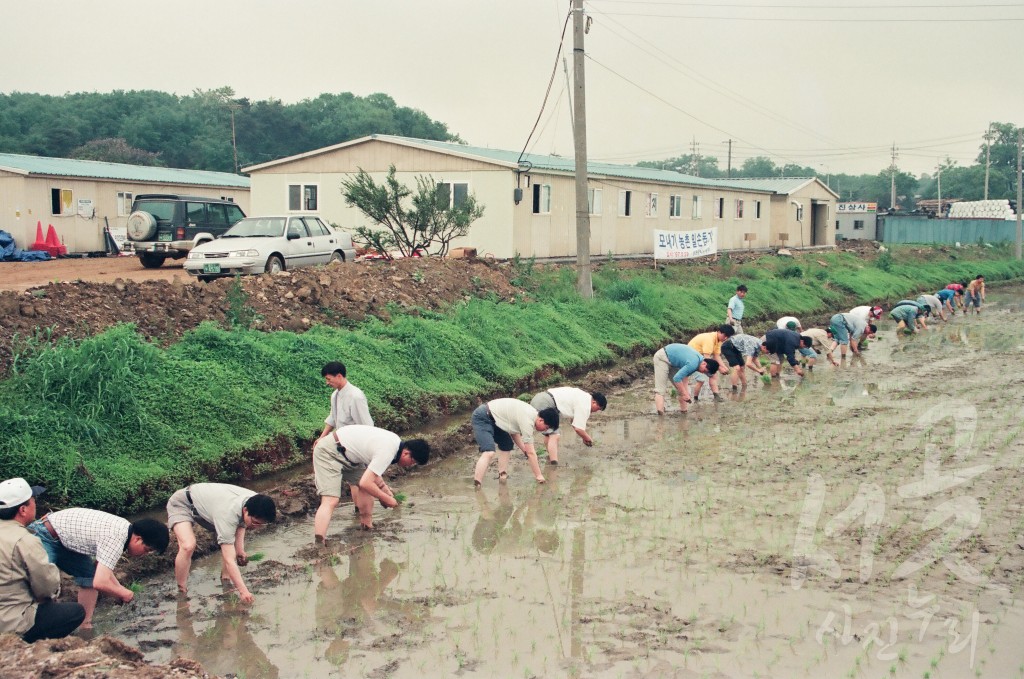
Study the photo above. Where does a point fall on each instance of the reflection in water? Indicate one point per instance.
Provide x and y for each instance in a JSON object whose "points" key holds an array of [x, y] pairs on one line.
{"points": [[225, 648], [345, 607], [506, 529]]}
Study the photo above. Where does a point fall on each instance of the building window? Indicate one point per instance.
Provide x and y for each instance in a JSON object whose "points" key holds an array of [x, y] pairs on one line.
{"points": [[451, 194], [739, 209], [652, 205], [675, 207], [858, 224], [625, 203], [696, 212], [124, 203], [757, 209], [719, 207], [799, 213], [837, 225], [61, 202], [541, 199], [594, 201], [302, 197]]}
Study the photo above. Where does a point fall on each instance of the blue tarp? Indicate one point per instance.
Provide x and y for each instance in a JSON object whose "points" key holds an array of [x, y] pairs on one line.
{"points": [[9, 253]]}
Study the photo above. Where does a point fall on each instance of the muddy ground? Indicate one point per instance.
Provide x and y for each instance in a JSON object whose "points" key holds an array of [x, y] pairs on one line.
{"points": [[862, 522]]}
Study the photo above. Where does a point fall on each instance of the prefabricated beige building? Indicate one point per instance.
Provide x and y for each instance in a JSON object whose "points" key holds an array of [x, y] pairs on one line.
{"points": [[82, 197], [627, 204]]}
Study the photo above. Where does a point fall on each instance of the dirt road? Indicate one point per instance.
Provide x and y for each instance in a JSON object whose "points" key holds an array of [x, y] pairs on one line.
{"points": [[24, 275]]}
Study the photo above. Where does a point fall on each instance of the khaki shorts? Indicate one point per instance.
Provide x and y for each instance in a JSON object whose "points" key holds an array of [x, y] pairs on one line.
{"points": [[330, 469], [661, 372], [737, 326], [180, 510]]}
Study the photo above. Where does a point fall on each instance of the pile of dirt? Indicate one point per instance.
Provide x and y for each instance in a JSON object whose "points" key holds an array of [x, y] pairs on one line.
{"points": [[74, 658], [297, 300]]}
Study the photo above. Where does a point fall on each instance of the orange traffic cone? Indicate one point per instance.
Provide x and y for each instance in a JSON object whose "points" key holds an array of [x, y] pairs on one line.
{"points": [[53, 244], [40, 243]]}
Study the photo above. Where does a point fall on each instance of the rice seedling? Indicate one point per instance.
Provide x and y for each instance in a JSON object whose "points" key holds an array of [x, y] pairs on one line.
{"points": [[257, 557]]}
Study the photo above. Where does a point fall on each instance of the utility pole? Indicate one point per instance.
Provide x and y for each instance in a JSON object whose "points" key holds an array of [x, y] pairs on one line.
{"points": [[892, 182], [584, 282], [938, 189], [1020, 234], [988, 156], [695, 156], [728, 171]]}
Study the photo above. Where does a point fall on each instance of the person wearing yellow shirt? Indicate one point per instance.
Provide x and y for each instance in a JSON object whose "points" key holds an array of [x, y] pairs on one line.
{"points": [[709, 345]]}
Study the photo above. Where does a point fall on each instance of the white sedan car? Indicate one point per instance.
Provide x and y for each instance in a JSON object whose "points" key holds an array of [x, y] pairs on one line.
{"points": [[270, 244]]}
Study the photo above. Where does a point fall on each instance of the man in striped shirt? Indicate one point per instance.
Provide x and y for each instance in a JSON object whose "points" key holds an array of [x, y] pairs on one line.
{"points": [[87, 544]]}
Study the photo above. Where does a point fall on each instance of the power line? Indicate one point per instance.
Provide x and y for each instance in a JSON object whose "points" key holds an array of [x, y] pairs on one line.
{"points": [[681, 3], [805, 20], [673, 106], [547, 91], [716, 87]]}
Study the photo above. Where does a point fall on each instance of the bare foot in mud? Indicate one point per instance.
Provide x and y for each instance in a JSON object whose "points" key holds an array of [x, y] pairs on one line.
{"points": [[320, 540], [365, 526]]}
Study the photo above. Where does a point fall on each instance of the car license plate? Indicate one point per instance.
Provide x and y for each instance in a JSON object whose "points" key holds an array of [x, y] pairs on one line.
{"points": [[211, 268], [164, 237]]}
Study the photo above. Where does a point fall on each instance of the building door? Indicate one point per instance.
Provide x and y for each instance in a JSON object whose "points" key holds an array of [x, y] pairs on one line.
{"points": [[819, 223]]}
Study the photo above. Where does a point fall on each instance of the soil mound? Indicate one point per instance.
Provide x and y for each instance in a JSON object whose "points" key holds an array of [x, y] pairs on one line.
{"points": [[74, 658], [295, 301]]}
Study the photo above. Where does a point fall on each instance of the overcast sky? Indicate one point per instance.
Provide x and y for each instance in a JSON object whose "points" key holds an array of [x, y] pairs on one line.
{"points": [[768, 74]]}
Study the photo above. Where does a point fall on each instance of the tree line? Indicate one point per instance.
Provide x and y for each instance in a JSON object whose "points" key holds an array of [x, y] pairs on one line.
{"points": [[195, 131], [957, 182]]}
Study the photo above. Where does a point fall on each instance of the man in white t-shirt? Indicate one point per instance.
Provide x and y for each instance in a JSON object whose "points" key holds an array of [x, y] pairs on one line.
{"points": [[226, 511], [498, 424], [573, 403], [359, 455]]}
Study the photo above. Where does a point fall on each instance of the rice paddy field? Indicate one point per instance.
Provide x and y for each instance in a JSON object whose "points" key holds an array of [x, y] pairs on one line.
{"points": [[862, 522]]}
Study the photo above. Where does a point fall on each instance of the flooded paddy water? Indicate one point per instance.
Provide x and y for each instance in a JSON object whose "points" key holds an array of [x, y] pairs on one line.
{"points": [[863, 522]]}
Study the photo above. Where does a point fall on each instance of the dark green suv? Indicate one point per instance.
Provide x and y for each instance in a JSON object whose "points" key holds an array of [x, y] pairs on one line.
{"points": [[170, 225]]}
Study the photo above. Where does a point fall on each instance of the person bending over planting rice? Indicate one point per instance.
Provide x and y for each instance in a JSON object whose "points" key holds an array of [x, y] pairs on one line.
{"points": [[359, 455], [741, 352], [684, 360], [709, 344], [225, 510], [573, 403], [779, 344], [499, 424]]}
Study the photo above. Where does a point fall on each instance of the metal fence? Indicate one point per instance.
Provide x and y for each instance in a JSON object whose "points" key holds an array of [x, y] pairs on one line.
{"points": [[896, 229]]}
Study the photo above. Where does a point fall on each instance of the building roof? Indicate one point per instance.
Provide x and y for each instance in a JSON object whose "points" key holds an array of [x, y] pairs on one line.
{"points": [[530, 161], [783, 185], [91, 169]]}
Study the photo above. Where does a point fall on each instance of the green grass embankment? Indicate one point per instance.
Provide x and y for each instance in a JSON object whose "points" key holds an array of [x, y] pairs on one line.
{"points": [[117, 423]]}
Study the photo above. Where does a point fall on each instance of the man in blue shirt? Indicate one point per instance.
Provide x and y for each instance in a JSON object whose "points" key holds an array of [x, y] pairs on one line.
{"points": [[685, 361], [734, 312]]}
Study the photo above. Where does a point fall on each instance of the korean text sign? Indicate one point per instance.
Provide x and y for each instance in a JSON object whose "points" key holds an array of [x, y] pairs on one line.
{"points": [[685, 244]]}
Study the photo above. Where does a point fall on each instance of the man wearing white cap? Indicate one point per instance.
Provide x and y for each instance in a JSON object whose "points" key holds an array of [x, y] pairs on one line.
{"points": [[29, 583]]}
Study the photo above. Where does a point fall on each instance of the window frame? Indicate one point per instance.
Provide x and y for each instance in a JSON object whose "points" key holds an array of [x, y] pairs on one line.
{"points": [[541, 199], [757, 209], [719, 212], [697, 207], [304, 204], [595, 201], [652, 206], [738, 205], [856, 222], [452, 190], [675, 206], [62, 202], [625, 202], [124, 203]]}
